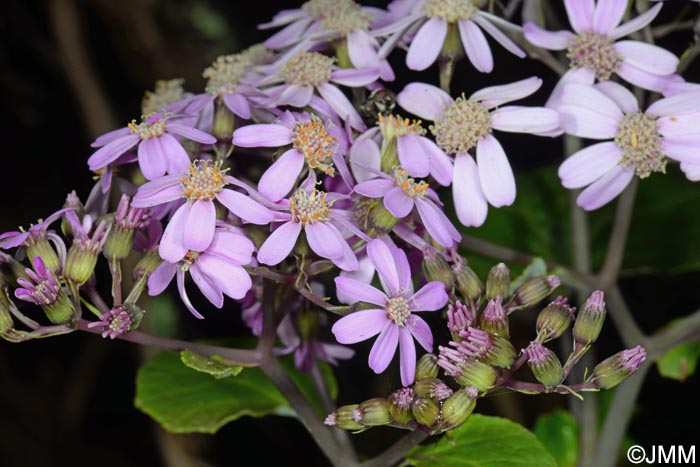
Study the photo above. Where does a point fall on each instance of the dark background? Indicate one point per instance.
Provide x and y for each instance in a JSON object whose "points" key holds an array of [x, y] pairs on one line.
{"points": [[71, 70]]}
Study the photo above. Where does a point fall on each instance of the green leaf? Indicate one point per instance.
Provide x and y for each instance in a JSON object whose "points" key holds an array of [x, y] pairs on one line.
{"points": [[484, 442], [558, 432], [183, 400], [214, 366], [679, 362]]}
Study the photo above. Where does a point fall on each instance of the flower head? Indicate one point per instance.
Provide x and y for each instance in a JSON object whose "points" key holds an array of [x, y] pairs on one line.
{"points": [[394, 321], [639, 142]]}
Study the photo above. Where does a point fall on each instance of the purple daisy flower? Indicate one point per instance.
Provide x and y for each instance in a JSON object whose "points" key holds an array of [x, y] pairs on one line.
{"points": [[463, 124], [316, 144], [312, 211], [642, 142], [317, 16], [158, 150], [193, 224], [402, 193], [439, 22], [230, 80], [394, 322], [217, 270], [594, 50], [306, 72]]}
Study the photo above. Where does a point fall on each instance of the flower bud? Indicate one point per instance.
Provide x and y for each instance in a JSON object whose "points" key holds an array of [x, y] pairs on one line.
{"points": [[589, 321], [224, 121], [613, 370], [72, 201], [458, 407], [426, 367], [432, 388], [400, 405], [468, 283], [373, 412], [544, 365], [39, 246], [120, 239], [82, 255], [381, 218], [342, 418], [533, 291], [459, 318], [494, 319], [554, 320], [467, 371], [498, 281], [491, 349], [436, 268], [425, 411], [146, 265]]}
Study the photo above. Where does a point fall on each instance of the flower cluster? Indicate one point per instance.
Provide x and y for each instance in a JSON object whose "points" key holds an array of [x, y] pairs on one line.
{"points": [[292, 172]]}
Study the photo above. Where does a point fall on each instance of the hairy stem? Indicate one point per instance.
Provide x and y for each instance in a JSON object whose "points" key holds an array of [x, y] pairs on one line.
{"points": [[618, 235]]}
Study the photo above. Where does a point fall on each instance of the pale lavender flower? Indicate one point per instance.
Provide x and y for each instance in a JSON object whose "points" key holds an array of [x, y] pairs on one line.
{"points": [[437, 20], [16, 238], [193, 223], [594, 50], [395, 321], [318, 16], [464, 124], [316, 145], [311, 211], [308, 72], [116, 322], [402, 193], [231, 81], [158, 150], [217, 270], [642, 142]]}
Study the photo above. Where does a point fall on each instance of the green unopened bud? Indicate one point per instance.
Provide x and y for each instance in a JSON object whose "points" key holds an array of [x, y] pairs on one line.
{"points": [[544, 365], [40, 246], [373, 412], [458, 407], [589, 321], [432, 388], [224, 121], [533, 291], [61, 310], [468, 283], [490, 349], [72, 201], [146, 265], [400, 405], [120, 238], [381, 218], [494, 319], [436, 268], [452, 48], [554, 320], [342, 418], [498, 281], [82, 255], [472, 372], [613, 370], [426, 367], [426, 411]]}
